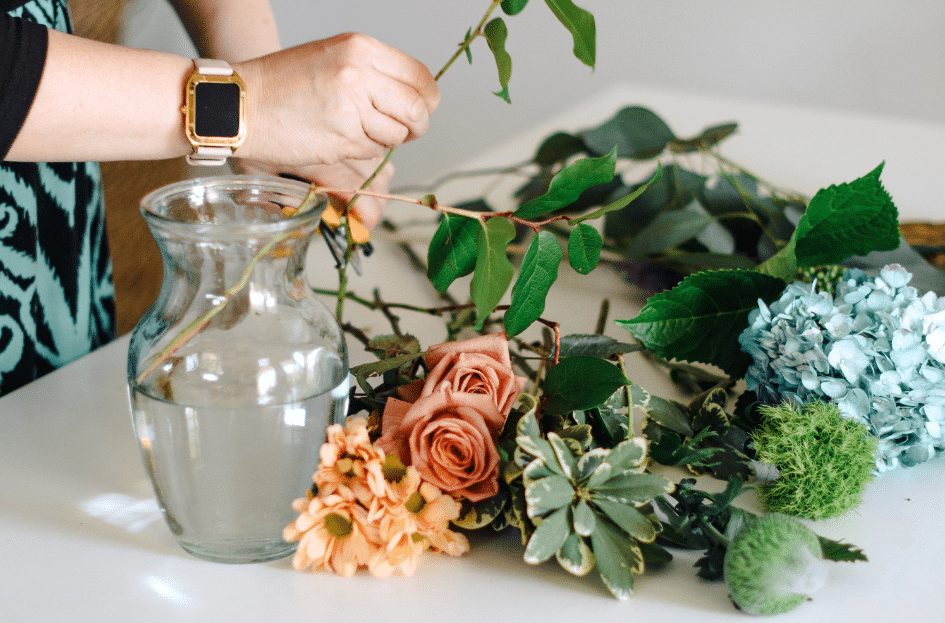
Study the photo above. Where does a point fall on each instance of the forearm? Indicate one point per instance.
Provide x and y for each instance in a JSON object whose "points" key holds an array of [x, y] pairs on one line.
{"points": [[230, 30], [104, 102]]}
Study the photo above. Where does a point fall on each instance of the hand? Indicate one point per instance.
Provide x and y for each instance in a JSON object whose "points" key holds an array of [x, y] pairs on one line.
{"points": [[347, 98], [345, 174]]}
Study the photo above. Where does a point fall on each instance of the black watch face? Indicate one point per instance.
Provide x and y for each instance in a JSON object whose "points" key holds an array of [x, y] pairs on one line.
{"points": [[217, 110]]}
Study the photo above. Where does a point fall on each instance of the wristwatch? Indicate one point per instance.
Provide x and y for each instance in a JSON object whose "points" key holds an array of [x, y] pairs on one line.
{"points": [[214, 112]]}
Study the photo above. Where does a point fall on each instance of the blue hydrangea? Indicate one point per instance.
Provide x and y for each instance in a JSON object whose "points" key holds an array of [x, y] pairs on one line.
{"points": [[876, 348]]}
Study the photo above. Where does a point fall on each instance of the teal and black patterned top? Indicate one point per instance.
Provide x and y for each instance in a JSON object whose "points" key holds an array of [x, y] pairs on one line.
{"points": [[56, 290]]}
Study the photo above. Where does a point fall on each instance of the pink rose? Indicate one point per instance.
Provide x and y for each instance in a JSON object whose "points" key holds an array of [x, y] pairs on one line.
{"points": [[480, 365], [449, 431]]}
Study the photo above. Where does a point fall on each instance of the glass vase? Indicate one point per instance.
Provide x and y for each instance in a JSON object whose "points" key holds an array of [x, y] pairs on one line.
{"points": [[237, 369]]}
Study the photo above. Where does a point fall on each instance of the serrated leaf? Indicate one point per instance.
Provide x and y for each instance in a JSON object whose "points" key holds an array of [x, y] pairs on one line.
{"points": [[666, 231], [580, 24], [841, 552], [583, 519], [496, 32], [593, 345], [575, 556], [538, 272], [513, 7], [848, 219], [494, 271], [548, 537], [579, 383], [584, 245], [628, 518], [568, 184], [637, 132], [701, 318], [452, 252], [622, 202]]}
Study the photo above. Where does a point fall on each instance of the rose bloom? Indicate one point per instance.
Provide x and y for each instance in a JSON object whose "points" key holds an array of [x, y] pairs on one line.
{"points": [[480, 365], [447, 430]]}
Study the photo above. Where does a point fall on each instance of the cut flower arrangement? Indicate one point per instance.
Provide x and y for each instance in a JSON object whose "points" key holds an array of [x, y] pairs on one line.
{"points": [[550, 437]]}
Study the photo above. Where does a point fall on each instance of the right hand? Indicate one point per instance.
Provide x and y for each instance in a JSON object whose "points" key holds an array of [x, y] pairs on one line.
{"points": [[349, 97]]}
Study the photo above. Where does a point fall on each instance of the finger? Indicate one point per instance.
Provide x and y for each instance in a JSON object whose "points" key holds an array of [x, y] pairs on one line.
{"points": [[408, 70], [401, 103], [383, 130]]}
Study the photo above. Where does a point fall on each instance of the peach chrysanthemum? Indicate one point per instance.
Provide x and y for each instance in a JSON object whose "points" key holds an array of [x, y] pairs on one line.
{"points": [[433, 511], [345, 459], [334, 534]]}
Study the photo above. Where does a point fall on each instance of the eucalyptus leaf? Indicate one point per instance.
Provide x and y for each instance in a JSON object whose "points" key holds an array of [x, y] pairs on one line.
{"points": [[568, 184], [666, 231], [636, 132], [584, 245], [580, 24], [452, 252], [538, 272], [496, 33], [702, 317], [494, 271], [549, 536], [580, 383]]}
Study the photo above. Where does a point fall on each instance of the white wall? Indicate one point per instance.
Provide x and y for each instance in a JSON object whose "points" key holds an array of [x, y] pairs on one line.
{"points": [[870, 56]]}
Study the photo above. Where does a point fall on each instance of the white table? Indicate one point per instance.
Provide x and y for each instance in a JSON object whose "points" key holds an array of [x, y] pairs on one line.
{"points": [[81, 536]]}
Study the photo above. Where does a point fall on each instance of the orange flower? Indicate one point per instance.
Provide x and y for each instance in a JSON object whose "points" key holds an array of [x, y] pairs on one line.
{"points": [[346, 459], [480, 365], [334, 534], [450, 438]]}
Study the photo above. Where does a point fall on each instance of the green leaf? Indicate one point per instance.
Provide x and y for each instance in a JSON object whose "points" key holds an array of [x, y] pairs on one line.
{"points": [[701, 318], [548, 537], [628, 518], [468, 48], [496, 33], [666, 231], [623, 202], [386, 346], [547, 494], [452, 252], [637, 132], [841, 552], [563, 455], [538, 272], [568, 184], [593, 345], [584, 245], [610, 550], [669, 414], [626, 455], [847, 219], [633, 489], [580, 383], [707, 139], [366, 370], [494, 271], [575, 556], [583, 519], [581, 25], [557, 148], [473, 515], [513, 7]]}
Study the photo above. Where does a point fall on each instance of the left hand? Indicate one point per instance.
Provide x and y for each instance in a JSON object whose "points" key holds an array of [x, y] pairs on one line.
{"points": [[345, 174]]}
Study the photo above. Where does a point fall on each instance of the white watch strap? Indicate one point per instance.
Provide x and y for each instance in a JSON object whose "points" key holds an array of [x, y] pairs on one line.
{"points": [[211, 156], [213, 67]]}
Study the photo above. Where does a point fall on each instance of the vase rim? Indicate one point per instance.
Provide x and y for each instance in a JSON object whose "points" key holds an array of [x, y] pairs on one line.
{"points": [[195, 187]]}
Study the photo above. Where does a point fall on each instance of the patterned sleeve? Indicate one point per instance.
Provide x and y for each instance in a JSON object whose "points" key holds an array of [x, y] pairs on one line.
{"points": [[22, 56]]}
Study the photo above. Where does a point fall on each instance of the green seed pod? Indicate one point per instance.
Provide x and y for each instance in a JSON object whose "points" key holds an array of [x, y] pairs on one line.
{"points": [[774, 564]]}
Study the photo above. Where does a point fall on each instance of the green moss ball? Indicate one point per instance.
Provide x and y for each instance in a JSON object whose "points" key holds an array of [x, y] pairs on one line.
{"points": [[773, 565], [824, 459]]}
